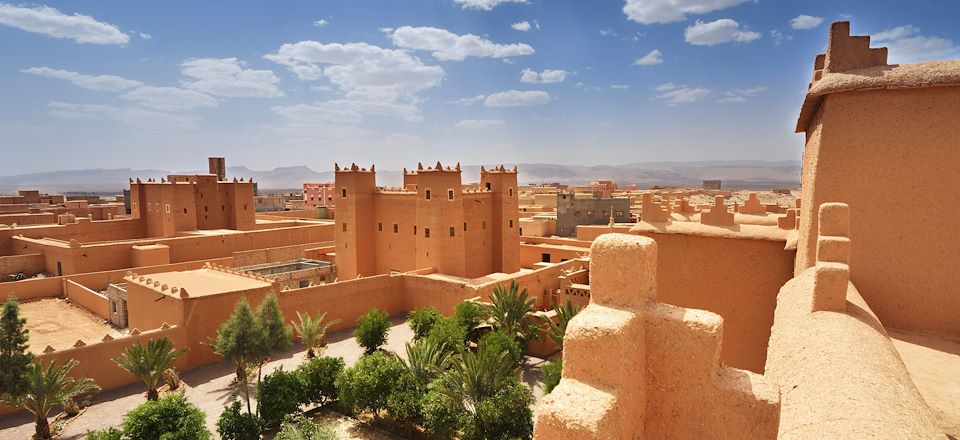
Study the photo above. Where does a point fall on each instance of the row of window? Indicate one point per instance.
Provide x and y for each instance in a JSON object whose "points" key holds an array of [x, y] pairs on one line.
{"points": [[426, 231], [590, 213], [428, 193]]}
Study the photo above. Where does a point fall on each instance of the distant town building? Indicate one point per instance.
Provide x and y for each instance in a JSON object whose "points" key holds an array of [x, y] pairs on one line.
{"points": [[573, 211], [711, 184], [319, 194]]}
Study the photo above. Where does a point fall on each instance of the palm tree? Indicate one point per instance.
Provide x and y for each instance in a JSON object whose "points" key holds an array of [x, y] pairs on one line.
{"points": [[508, 311], [49, 387], [477, 376], [148, 364], [557, 330], [312, 331], [426, 360]]}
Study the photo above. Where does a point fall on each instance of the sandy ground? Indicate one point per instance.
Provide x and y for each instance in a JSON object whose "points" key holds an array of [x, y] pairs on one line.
{"points": [[210, 388], [58, 323], [934, 366]]}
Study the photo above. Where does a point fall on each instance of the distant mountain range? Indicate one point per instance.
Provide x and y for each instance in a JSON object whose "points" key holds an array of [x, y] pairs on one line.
{"points": [[755, 174]]}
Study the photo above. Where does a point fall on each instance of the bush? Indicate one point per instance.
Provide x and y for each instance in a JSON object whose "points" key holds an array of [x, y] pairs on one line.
{"points": [[171, 417], [318, 380], [441, 414], [105, 434], [236, 425], [501, 342], [469, 315], [550, 375], [422, 320], [278, 396], [449, 335], [404, 400], [506, 415], [372, 329], [368, 384], [300, 428]]}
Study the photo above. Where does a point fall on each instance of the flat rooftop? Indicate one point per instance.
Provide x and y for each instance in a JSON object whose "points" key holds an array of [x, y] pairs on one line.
{"points": [[205, 282], [59, 323]]}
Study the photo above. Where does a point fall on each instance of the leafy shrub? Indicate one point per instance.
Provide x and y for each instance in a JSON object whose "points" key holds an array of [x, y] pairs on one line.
{"points": [[372, 329], [236, 425], [469, 315], [404, 400], [448, 335], [550, 375], [171, 417], [300, 428], [506, 415], [441, 414], [278, 396], [368, 384], [105, 434], [501, 342], [318, 379], [422, 320]]}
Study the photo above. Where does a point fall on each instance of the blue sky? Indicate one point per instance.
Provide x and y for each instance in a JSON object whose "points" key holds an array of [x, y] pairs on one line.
{"points": [[115, 84]]}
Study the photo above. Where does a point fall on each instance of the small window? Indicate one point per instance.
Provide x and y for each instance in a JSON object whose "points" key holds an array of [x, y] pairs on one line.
{"points": [[606, 213], [511, 224], [510, 192], [426, 232], [379, 227], [453, 231], [449, 194], [464, 226], [483, 225], [304, 283], [428, 194], [488, 186], [521, 231], [184, 210], [576, 213], [344, 227], [544, 258], [619, 213], [396, 228], [414, 229], [166, 208], [343, 193], [589, 213]]}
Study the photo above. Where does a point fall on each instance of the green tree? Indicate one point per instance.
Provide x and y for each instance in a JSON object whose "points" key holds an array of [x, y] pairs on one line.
{"points": [[368, 384], [550, 375], [506, 415], [301, 428], [448, 336], [441, 415], [372, 330], [475, 376], [15, 358], [278, 334], [405, 397], [171, 417], [242, 340], [501, 342], [110, 433], [278, 396], [469, 315], [236, 425], [318, 379], [508, 310], [422, 320], [557, 330], [149, 363], [48, 388], [312, 331]]}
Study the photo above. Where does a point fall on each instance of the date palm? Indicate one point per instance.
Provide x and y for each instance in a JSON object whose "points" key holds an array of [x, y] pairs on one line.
{"points": [[474, 376], [312, 331], [49, 387], [508, 311], [557, 330], [149, 363], [426, 360]]}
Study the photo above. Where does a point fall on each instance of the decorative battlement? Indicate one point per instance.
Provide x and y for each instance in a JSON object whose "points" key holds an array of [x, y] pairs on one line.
{"points": [[353, 169], [498, 169], [846, 52], [438, 168]]}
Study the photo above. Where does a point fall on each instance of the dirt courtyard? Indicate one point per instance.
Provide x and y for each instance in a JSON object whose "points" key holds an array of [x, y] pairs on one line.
{"points": [[59, 323]]}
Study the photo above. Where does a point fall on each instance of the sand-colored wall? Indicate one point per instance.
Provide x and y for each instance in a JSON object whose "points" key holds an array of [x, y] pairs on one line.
{"points": [[735, 278], [29, 265], [891, 165], [839, 374], [531, 254], [274, 254], [94, 302], [82, 231], [591, 232]]}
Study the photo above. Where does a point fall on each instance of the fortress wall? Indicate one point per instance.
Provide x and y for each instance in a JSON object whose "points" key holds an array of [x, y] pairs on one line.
{"points": [[274, 254], [421, 291], [83, 231], [737, 279], [29, 264], [93, 302]]}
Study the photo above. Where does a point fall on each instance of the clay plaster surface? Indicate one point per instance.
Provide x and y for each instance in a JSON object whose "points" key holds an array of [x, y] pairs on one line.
{"points": [[59, 323], [203, 282], [934, 365]]}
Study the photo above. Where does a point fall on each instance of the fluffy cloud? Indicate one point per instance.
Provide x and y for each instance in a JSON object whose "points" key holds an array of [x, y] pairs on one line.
{"points": [[720, 31], [741, 95], [169, 98], [226, 77], [107, 83], [49, 21], [522, 26], [446, 45], [651, 59], [779, 37], [905, 45], [320, 23], [619, 86], [137, 117], [479, 124], [548, 76], [468, 101], [805, 21], [484, 5], [668, 11], [674, 95], [516, 98]]}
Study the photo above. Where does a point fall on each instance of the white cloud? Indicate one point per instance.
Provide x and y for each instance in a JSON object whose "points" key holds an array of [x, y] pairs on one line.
{"points": [[446, 45], [484, 5], [145, 35], [664, 87], [741, 95], [516, 98], [720, 31], [682, 95], [906, 45], [138, 117], [668, 11], [607, 32], [548, 76], [779, 37], [651, 59], [169, 98], [468, 101], [479, 124], [805, 21], [226, 77], [320, 113], [522, 26], [49, 21], [619, 86], [108, 83], [320, 23]]}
